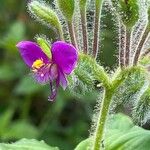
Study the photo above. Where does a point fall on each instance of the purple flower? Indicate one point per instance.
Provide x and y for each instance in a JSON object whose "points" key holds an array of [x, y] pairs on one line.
{"points": [[50, 70]]}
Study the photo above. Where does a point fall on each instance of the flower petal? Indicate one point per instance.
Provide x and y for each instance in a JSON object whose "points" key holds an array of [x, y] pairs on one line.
{"points": [[30, 52], [42, 75], [53, 72], [65, 56], [62, 80]]}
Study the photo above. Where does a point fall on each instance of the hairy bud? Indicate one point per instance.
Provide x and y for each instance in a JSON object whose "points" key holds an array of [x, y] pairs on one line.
{"points": [[67, 8], [129, 12], [45, 14], [44, 46]]}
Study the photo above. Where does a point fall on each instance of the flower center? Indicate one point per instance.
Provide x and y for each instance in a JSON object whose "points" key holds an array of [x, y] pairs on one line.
{"points": [[38, 64]]}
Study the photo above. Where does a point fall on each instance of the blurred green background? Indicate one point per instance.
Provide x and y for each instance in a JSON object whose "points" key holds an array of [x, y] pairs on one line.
{"points": [[24, 109]]}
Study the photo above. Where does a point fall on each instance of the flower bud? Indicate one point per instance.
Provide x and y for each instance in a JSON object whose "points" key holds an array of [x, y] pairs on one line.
{"points": [[45, 14], [67, 8], [129, 12], [44, 46]]}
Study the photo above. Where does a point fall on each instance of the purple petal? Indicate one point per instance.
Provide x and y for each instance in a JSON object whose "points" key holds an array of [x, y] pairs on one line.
{"points": [[63, 80], [65, 56], [42, 76], [53, 72], [30, 52]]}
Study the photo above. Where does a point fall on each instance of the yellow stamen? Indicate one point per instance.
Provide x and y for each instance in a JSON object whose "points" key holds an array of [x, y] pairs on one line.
{"points": [[38, 64]]}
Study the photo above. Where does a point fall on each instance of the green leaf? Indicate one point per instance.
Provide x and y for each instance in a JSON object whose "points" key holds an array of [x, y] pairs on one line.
{"points": [[27, 86], [121, 134], [7, 72], [15, 33], [26, 144], [20, 129], [5, 119], [119, 121], [84, 145]]}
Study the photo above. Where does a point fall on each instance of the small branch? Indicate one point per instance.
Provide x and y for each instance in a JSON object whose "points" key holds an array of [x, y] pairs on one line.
{"points": [[72, 34], [121, 44], [140, 46], [84, 30], [128, 46], [145, 53], [98, 8]]}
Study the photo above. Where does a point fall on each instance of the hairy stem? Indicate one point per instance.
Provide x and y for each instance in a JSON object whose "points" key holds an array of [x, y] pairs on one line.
{"points": [[60, 32], [108, 94], [128, 46], [84, 29], [102, 119], [145, 53], [72, 34], [121, 44], [98, 8], [98, 71], [140, 46]]}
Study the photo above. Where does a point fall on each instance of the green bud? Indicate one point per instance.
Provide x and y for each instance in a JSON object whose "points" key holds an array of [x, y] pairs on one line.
{"points": [[44, 46], [129, 12], [83, 4], [45, 14], [67, 8]]}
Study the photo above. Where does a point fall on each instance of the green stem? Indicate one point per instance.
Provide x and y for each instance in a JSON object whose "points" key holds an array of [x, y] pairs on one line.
{"points": [[98, 8], [108, 93], [102, 119]]}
